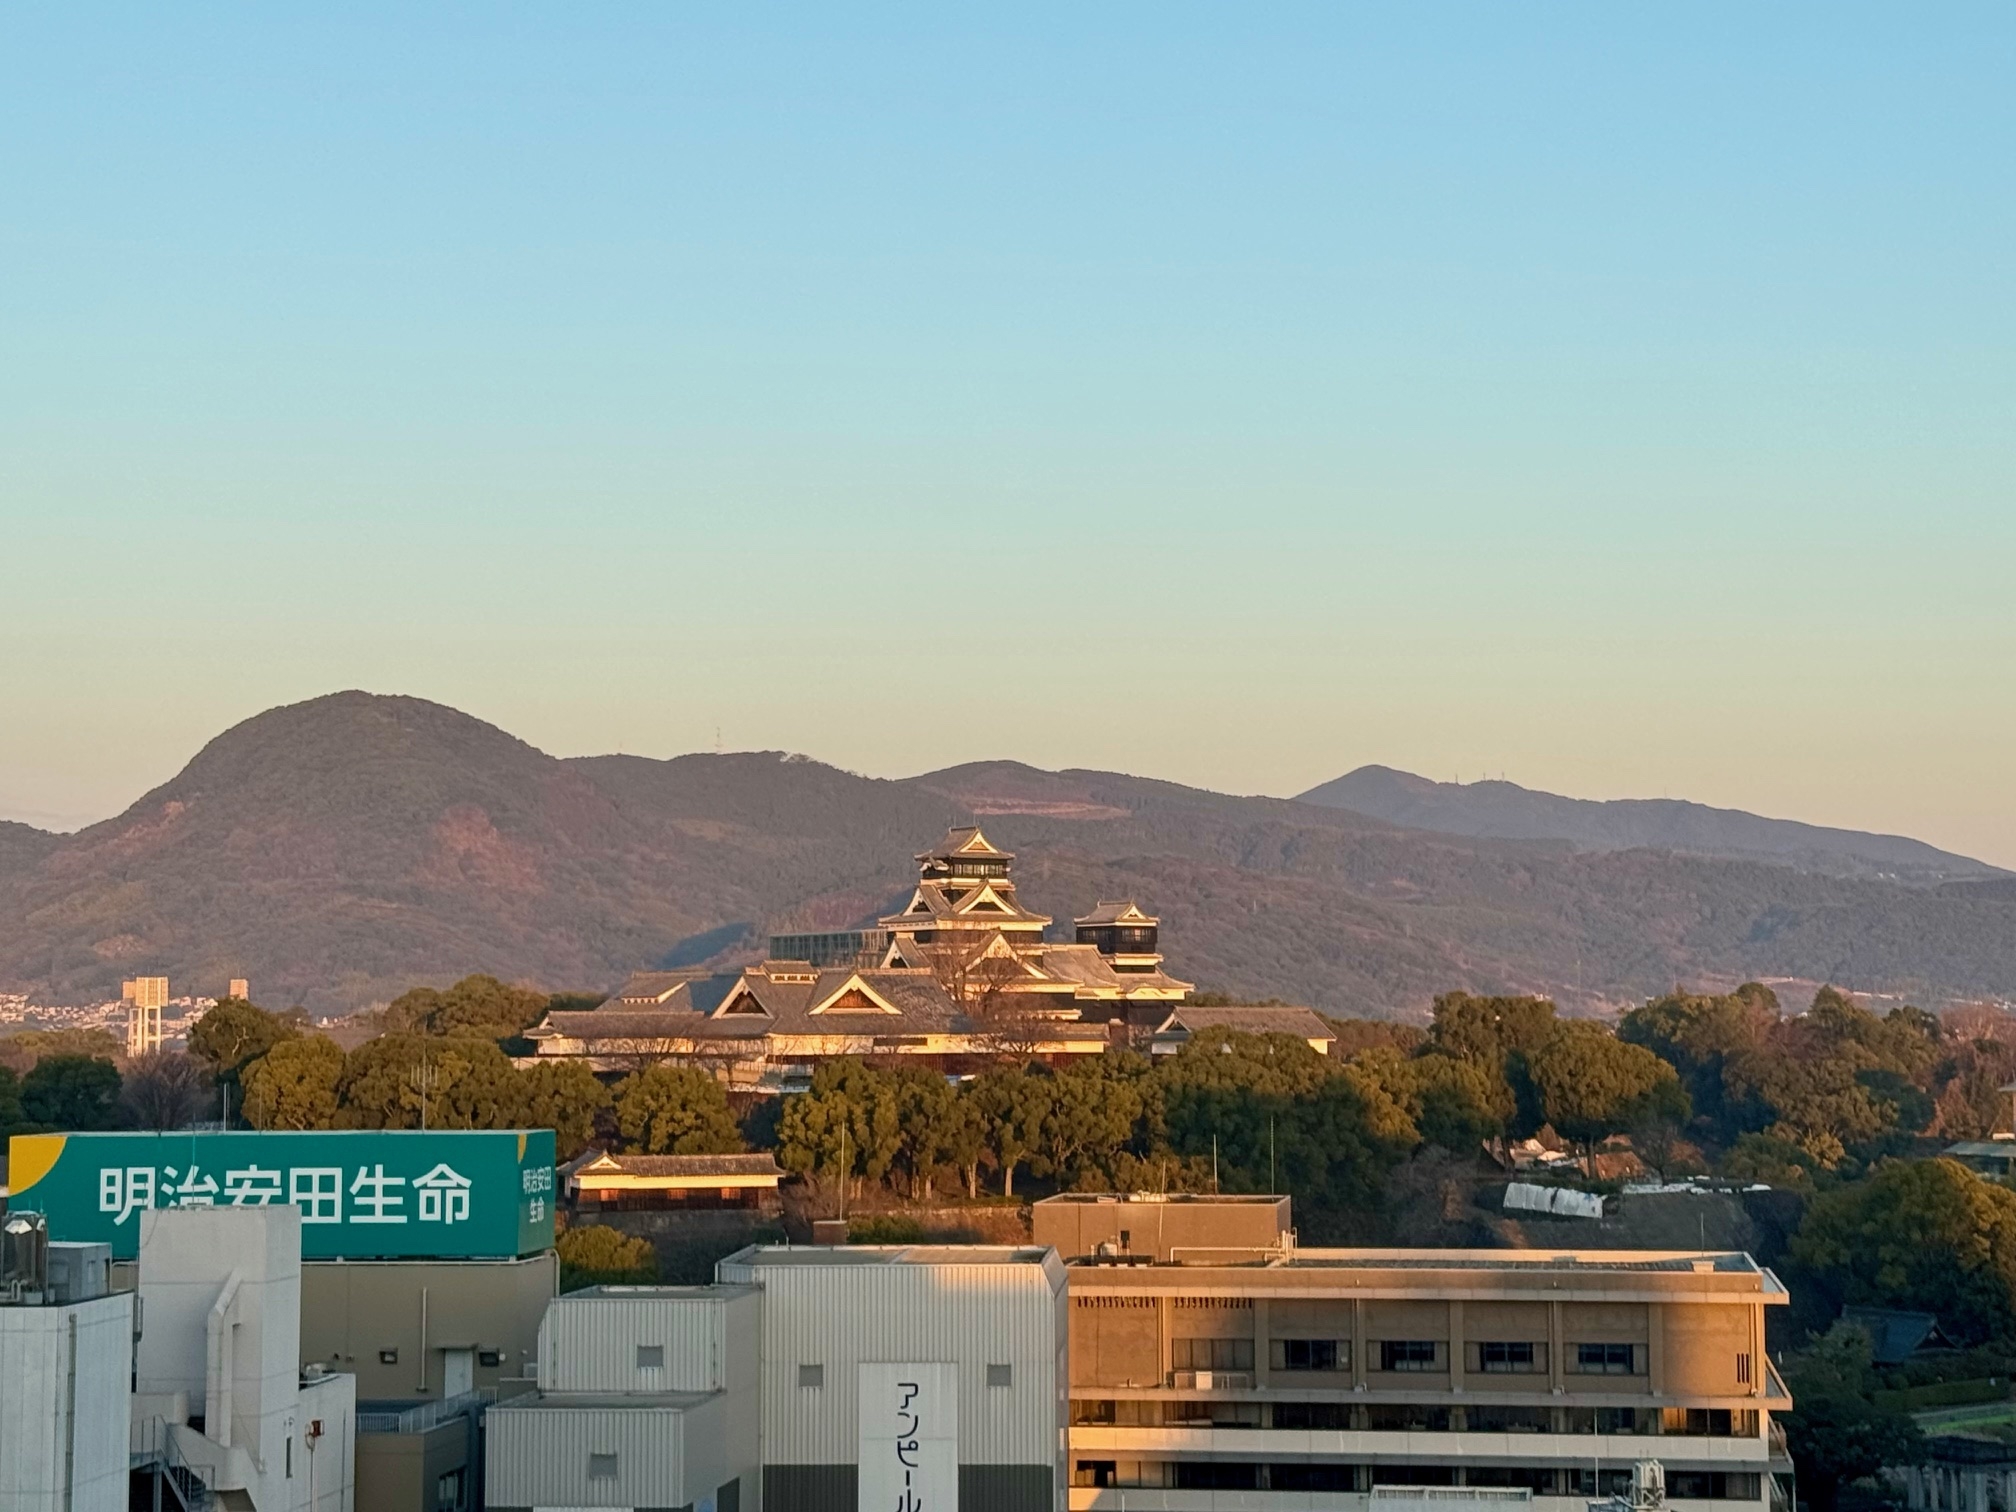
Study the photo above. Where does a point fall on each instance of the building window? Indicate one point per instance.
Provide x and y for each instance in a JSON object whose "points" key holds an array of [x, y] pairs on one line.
{"points": [[650, 1356], [601, 1467], [490, 1359], [388, 1357], [1000, 1375], [1406, 1417], [1489, 1418], [1312, 1354], [448, 1492], [1712, 1485], [1743, 1370], [1410, 1354], [1610, 1420], [1321, 1476], [812, 1375], [1321, 1416], [1606, 1359], [1216, 1475], [1509, 1357], [1213, 1354], [1198, 1413], [1106, 1412], [1708, 1422]]}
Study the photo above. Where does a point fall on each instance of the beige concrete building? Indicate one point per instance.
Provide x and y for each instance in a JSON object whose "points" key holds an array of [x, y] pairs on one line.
{"points": [[1214, 1371], [145, 997], [419, 1331]]}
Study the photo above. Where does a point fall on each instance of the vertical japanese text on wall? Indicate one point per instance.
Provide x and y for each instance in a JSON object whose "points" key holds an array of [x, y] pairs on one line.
{"points": [[365, 1193], [909, 1438]]}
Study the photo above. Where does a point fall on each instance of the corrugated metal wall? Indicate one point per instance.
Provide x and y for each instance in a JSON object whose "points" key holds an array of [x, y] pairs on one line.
{"points": [[38, 1414], [591, 1342], [843, 1314], [538, 1456]]}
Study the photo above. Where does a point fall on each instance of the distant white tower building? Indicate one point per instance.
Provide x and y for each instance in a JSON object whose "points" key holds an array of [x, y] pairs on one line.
{"points": [[145, 998]]}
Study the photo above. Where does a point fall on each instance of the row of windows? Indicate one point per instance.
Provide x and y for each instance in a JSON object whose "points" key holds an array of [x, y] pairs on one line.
{"points": [[1485, 1357], [1413, 1417], [1235, 1475]]}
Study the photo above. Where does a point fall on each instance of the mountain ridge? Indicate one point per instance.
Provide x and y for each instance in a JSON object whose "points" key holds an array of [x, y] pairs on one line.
{"points": [[342, 849], [1506, 811]]}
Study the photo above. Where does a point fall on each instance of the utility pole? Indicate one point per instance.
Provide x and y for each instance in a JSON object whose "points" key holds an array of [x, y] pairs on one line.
{"points": [[843, 1171]]}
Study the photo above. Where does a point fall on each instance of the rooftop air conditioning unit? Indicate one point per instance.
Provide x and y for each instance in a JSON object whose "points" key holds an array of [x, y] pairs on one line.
{"points": [[24, 1258]]}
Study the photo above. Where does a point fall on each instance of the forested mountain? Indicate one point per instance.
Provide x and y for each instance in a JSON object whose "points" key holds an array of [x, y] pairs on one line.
{"points": [[1506, 811], [22, 845], [340, 850]]}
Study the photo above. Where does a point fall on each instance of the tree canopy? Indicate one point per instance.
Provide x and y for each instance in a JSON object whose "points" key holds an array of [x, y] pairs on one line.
{"points": [[675, 1110], [1925, 1235], [72, 1092]]}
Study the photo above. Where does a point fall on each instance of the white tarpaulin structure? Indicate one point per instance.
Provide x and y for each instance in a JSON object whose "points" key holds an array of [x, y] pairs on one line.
{"points": [[1525, 1197]]}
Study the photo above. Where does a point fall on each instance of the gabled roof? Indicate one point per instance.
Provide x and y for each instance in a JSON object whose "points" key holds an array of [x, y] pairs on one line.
{"points": [[965, 842], [1895, 1336], [1125, 912], [645, 987], [591, 1161], [932, 903], [1303, 1023], [854, 985]]}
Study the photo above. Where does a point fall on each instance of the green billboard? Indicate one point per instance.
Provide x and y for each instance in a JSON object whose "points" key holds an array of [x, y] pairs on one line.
{"points": [[368, 1193]]}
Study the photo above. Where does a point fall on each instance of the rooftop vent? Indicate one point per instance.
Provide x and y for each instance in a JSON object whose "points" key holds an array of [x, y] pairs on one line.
{"points": [[24, 1258]]}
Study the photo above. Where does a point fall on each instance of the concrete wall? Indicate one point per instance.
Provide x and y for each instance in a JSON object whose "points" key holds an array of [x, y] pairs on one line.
{"points": [[354, 1309], [399, 1472], [1076, 1226], [190, 1260]]}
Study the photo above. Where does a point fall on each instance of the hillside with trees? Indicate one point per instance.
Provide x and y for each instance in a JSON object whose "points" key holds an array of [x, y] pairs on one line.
{"points": [[339, 850], [1507, 811]]}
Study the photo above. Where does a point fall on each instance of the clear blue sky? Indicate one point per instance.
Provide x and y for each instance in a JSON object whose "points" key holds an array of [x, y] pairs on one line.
{"points": [[1621, 398]]}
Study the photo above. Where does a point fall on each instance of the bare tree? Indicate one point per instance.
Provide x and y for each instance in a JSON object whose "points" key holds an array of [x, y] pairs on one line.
{"points": [[165, 1090], [982, 981]]}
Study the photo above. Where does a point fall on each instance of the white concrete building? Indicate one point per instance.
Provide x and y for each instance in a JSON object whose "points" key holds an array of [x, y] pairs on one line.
{"points": [[66, 1360], [219, 1384]]}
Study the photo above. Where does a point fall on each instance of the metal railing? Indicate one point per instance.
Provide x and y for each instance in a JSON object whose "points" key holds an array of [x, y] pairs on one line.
{"points": [[425, 1415], [153, 1447]]}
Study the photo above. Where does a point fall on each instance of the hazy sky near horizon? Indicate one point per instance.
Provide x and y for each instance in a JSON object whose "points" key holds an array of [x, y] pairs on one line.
{"points": [[1621, 399]]}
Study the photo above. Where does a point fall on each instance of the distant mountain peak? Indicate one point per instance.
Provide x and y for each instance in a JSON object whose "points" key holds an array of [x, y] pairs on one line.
{"points": [[1498, 810]]}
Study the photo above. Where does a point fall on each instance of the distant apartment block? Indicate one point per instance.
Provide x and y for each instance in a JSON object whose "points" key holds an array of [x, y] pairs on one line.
{"points": [[145, 997]]}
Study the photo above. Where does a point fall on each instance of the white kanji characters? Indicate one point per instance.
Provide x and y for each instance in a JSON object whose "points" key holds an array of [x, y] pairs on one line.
{"points": [[121, 1189], [252, 1187], [318, 1192], [372, 1199], [444, 1195], [194, 1190]]}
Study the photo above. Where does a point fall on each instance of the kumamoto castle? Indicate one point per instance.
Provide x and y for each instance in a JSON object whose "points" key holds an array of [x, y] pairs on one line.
{"points": [[960, 973]]}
